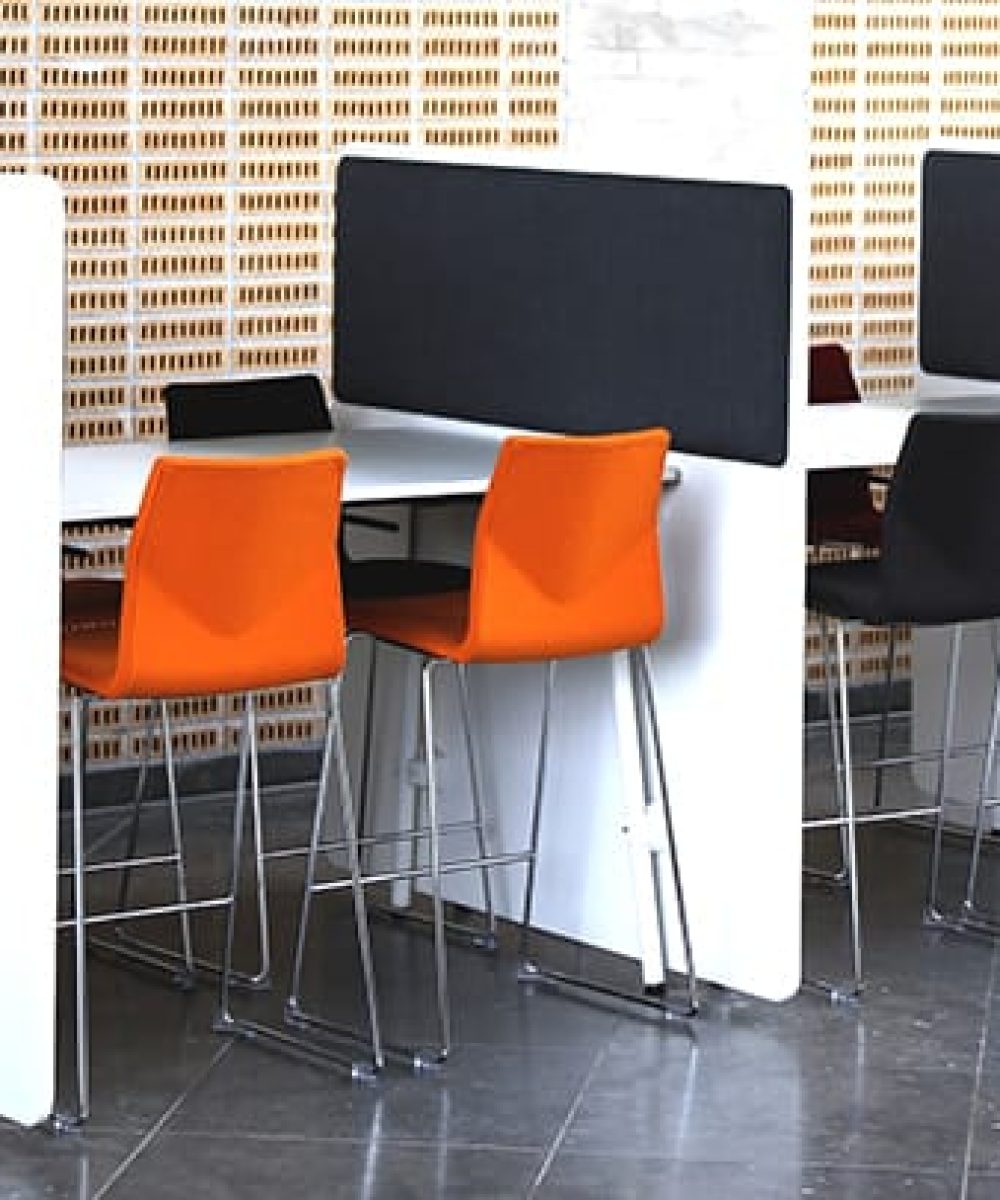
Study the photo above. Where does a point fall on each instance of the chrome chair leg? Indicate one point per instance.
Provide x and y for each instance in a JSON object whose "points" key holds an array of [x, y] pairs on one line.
{"points": [[647, 731], [852, 848], [642, 661], [178, 845], [434, 850], [293, 1001], [883, 729], [837, 876], [932, 910], [475, 783], [226, 1022], [78, 721], [127, 946], [852, 989], [137, 802], [262, 977], [364, 783], [187, 967], [480, 933], [989, 763], [529, 969], [357, 887]]}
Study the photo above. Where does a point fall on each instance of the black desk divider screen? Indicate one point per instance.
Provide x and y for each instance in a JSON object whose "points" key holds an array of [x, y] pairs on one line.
{"points": [[959, 329], [566, 301]]}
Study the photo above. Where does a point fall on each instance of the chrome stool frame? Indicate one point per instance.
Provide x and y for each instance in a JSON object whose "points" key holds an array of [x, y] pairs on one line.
{"points": [[80, 919], [848, 819], [651, 755], [226, 1022]]}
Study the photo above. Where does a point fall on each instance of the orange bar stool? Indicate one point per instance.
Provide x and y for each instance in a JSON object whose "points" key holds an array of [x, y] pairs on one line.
{"points": [[231, 584], [565, 563], [197, 410]]}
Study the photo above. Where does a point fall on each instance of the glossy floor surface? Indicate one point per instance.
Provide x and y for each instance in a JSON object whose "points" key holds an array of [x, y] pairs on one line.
{"points": [[545, 1096]]}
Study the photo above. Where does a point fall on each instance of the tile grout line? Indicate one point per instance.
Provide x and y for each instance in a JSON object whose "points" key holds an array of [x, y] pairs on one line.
{"points": [[158, 1125], [574, 1108], [977, 1080]]}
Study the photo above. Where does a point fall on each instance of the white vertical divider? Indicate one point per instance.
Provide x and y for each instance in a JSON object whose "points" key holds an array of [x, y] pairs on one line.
{"points": [[31, 348]]}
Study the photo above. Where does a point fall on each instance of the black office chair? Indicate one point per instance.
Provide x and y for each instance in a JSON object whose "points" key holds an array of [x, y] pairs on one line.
{"points": [[939, 565], [839, 504], [219, 408]]}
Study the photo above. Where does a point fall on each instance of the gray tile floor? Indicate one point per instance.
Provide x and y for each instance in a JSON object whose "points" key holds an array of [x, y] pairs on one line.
{"points": [[549, 1097]]}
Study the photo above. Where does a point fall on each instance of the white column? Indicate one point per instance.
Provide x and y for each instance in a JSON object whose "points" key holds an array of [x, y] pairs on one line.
{"points": [[31, 349]]}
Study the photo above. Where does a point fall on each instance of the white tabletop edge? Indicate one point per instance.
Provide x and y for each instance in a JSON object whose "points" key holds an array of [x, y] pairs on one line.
{"points": [[105, 482]]}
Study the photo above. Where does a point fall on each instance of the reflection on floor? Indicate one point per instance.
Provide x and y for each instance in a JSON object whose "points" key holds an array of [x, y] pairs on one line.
{"points": [[549, 1097]]}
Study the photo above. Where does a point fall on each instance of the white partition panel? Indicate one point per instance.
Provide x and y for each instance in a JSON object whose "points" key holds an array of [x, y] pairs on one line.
{"points": [[31, 349]]}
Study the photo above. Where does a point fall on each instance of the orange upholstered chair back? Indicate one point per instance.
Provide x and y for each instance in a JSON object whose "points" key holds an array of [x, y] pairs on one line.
{"points": [[231, 579], [566, 558]]}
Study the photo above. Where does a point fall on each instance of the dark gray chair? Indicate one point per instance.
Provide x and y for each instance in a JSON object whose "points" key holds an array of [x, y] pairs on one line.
{"points": [[939, 565]]}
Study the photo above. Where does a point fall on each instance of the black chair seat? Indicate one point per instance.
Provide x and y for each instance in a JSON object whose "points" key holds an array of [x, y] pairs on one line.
{"points": [[296, 404], [940, 554], [366, 579], [864, 591]]}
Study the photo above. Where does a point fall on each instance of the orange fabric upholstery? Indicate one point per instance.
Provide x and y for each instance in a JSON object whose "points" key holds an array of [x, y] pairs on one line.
{"points": [[231, 582], [565, 560]]}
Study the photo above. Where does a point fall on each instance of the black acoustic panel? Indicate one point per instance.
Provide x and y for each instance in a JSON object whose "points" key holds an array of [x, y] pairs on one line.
{"points": [[565, 301], [960, 265]]}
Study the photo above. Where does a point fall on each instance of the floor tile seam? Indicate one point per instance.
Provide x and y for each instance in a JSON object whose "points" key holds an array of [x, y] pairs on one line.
{"points": [[804, 1164], [977, 1081], [812, 1162], [306, 1139], [550, 1154], [161, 1122]]}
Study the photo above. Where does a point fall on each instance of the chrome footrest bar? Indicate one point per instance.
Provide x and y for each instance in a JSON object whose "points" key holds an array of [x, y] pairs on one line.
{"points": [[364, 843], [968, 750], [836, 993], [473, 935], [325, 1056], [836, 878], [401, 873], [530, 973], [153, 910], [968, 920], [162, 958], [872, 818], [415, 1058], [123, 864]]}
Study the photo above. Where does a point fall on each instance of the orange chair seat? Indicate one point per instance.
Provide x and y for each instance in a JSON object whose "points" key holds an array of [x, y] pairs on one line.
{"points": [[90, 656], [435, 624]]}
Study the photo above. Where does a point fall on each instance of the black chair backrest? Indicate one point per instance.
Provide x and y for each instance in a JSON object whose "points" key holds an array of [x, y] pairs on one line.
{"points": [[238, 407], [941, 529]]}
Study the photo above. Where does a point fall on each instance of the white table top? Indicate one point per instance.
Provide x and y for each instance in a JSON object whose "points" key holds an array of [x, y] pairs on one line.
{"points": [[106, 482], [871, 433]]}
